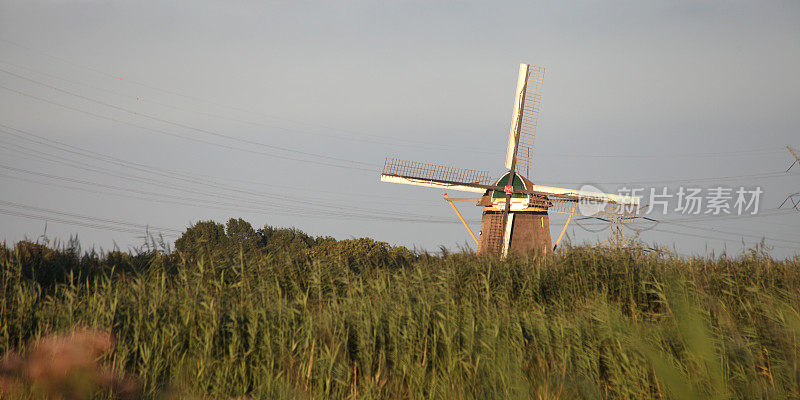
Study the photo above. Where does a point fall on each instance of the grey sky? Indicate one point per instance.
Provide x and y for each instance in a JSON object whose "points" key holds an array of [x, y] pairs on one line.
{"points": [[427, 81]]}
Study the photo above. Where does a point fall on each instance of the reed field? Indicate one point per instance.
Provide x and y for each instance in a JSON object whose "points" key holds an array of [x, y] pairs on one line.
{"points": [[232, 312]]}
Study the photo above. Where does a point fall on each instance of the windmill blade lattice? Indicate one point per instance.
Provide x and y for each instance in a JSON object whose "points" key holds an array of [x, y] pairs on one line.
{"points": [[422, 171], [529, 92]]}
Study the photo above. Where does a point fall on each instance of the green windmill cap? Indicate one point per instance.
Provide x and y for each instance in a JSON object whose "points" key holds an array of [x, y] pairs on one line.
{"points": [[518, 183]]}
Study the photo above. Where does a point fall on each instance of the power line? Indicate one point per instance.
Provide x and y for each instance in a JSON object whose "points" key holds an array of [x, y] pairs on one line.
{"points": [[117, 77], [87, 218], [140, 167], [766, 213], [758, 232], [185, 126], [169, 186], [212, 205], [160, 197], [657, 229], [396, 140], [714, 230], [427, 220], [182, 136], [714, 238], [150, 169], [738, 234], [754, 152], [172, 186], [257, 205], [47, 218], [380, 139], [38, 155], [192, 178], [763, 175]]}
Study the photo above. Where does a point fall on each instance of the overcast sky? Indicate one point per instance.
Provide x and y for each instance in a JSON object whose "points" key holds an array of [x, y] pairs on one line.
{"points": [[282, 113]]}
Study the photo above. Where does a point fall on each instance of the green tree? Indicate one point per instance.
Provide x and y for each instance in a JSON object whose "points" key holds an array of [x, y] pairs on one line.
{"points": [[204, 234], [205, 240], [360, 252], [287, 240], [240, 233]]}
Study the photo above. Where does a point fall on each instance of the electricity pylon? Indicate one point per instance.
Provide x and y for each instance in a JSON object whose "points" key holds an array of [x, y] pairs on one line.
{"points": [[794, 198]]}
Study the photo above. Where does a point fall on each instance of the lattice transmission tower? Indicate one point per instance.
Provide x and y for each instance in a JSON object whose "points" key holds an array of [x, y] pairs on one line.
{"points": [[794, 198]]}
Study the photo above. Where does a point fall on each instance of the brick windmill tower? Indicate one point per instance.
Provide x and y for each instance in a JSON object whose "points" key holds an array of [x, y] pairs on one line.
{"points": [[515, 210]]}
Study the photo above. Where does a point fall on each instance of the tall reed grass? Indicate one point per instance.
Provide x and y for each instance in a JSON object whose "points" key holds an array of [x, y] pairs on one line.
{"points": [[586, 323]]}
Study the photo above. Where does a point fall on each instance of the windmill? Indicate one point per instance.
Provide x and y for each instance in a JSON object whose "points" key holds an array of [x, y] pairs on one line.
{"points": [[515, 210]]}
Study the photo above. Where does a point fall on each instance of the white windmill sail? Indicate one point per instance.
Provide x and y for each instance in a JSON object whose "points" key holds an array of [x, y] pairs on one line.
{"points": [[430, 183], [433, 175], [527, 102], [583, 195]]}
